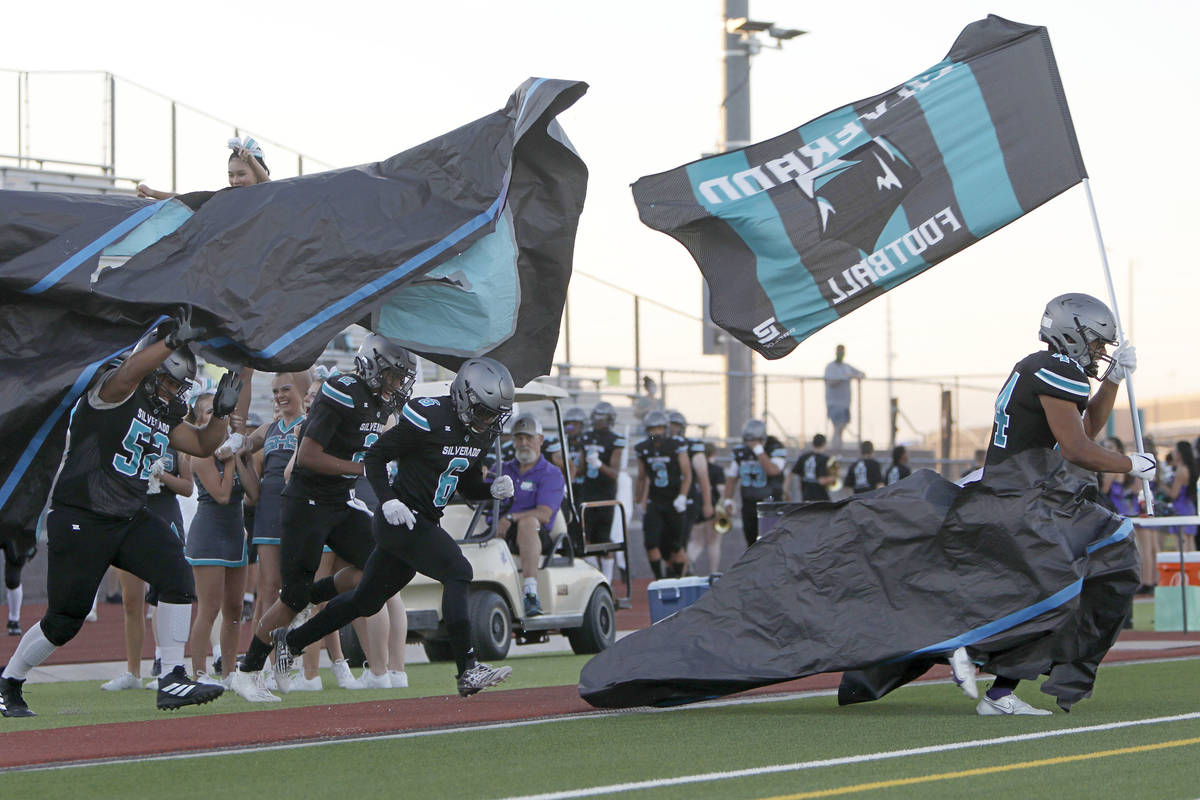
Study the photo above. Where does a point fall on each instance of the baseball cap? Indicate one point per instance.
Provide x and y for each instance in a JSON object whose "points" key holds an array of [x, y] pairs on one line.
{"points": [[527, 423]]}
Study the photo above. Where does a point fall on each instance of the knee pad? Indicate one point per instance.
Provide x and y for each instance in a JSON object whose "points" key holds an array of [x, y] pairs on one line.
{"points": [[295, 594], [12, 576], [59, 628]]}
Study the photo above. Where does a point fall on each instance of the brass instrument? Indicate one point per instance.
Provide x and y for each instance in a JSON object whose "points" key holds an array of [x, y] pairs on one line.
{"points": [[723, 523], [835, 469]]}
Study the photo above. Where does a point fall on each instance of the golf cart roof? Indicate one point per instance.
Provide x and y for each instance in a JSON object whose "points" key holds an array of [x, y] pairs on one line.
{"points": [[534, 390]]}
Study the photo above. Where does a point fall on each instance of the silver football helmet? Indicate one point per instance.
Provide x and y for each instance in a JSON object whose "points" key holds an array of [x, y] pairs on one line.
{"points": [[677, 418], [1072, 322], [605, 413], [178, 368], [482, 393], [754, 429], [656, 419], [380, 361], [574, 416]]}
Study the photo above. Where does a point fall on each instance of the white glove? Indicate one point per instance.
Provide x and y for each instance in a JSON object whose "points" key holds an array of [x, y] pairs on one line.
{"points": [[154, 486], [593, 459], [728, 505], [396, 513], [157, 468], [230, 446], [680, 503], [502, 487], [1144, 466], [1124, 362], [757, 449]]}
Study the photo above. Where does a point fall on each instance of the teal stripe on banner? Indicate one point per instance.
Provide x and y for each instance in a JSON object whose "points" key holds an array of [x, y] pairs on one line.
{"points": [[897, 226], [962, 128], [780, 270]]}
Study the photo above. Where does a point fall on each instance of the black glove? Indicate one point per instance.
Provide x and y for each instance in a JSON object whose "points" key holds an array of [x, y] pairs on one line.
{"points": [[180, 330], [226, 397]]}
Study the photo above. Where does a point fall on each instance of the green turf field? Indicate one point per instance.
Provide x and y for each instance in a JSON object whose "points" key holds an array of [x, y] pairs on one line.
{"points": [[774, 738]]}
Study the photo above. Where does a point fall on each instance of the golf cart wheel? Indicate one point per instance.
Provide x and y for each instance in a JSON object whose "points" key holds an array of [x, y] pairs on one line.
{"points": [[438, 650], [599, 629], [491, 625]]}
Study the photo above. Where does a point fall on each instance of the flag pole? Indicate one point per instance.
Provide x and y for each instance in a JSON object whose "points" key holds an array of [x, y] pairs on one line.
{"points": [[1112, 296]]}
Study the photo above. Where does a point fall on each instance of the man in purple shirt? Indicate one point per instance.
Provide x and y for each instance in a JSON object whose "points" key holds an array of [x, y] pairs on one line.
{"points": [[539, 491]]}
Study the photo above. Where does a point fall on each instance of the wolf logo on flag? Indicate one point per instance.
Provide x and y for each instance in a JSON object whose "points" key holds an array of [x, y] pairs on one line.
{"points": [[856, 195]]}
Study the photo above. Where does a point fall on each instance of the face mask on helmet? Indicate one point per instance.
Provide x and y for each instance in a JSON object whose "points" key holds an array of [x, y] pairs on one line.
{"points": [[656, 424], [387, 368], [1078, 326], [483, 394], [167, 387]]}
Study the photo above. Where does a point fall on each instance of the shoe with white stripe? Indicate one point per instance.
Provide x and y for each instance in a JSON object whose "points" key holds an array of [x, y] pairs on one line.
{"points": [[962, 670], [251, 686], [12, 701], [176, 689]]}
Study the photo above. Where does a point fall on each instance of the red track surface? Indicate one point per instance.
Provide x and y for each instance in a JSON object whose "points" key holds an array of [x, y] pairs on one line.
{"points": [[184, 732]]}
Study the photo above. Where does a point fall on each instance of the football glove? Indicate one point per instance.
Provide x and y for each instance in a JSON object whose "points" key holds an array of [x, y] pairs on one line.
{"points": [[593, 459], [680, 503], [180, 329], [1124, 362], [226, 396], [1144, 466], [396, 513], [502, 487]]}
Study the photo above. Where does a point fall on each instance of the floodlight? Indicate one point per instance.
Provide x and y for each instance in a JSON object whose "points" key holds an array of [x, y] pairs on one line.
{"points": [[784, 34]]}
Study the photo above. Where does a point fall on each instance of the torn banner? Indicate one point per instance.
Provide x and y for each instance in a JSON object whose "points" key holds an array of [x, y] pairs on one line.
{"points": [[797, 231], [277, 269], [1031, 580]]}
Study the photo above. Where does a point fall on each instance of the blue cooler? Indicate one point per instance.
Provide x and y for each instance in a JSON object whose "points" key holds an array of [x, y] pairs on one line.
{"points": [[670, 595]]}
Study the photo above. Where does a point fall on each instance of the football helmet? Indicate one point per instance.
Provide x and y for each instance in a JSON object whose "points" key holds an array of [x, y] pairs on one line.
{"points": [[574, 416], [482, 393], [605, 413], [754, 429], [380, 362], [1072, 322], [656, 419], [677, 418], [167, 386]]}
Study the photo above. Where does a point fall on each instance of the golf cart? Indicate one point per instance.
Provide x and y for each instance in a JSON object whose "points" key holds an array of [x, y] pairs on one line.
{"points": [[576, 597]]}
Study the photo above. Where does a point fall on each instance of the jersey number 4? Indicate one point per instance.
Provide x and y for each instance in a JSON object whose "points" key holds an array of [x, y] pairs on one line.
{"points": [[137, 460], [1002, 416]]}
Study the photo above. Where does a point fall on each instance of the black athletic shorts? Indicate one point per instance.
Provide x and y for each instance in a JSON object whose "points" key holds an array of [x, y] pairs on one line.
{"points": [[662, 527], [306, 527]]}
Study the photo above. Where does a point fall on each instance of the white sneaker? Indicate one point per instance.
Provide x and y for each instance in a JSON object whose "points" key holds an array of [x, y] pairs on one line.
{"points": [[343, 675], [369, 680], [269, 680], [251, 687], [126, 680], [93, 617], [399, 679], [204, 677], [1008, 705], [303, 684], [962, 670]]}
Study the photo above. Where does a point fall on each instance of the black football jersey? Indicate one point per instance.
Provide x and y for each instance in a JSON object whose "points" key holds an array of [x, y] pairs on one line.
{"points": [[897, 472], [752, 478], [1020, 421], [811, 467], [597, 485], [578, 458], [345, 419], [864, 475], [661, 458], [106, 468], [435, 454]]}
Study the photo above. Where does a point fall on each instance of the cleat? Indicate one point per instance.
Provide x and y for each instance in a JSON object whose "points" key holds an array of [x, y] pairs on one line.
{"points": [[14, 627], [12, 701], [176, 690], [399, 679], [962, 670], [251, 687], [481, 676], [369, 680], [283, 659], [303, 684], [126, 680], [343, 675], [533, 606], [1008, 705]]}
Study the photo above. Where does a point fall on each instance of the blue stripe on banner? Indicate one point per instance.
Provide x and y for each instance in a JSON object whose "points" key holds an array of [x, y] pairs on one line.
{"points": [[1004, 623], [68, 401], [528, 94], [896, 227], [1118, 535], [1065, 384], [110, 236], [340, 397], [963, 130], [385, 281], [415, 418], [789, 286]]}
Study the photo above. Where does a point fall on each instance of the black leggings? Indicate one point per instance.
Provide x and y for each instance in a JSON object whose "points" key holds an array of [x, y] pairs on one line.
{"points": [[399, 554]]}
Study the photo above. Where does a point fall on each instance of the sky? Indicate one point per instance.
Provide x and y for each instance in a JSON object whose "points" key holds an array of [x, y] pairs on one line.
{"points": [[354, 82]]}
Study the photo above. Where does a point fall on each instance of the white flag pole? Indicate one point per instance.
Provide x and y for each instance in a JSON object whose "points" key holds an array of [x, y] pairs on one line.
{"points": [[1112, 296]]}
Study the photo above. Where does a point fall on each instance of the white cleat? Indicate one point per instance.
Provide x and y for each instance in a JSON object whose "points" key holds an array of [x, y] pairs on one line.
{"points": [[369, 680], [251, 687], [962, 670], [126, 680], [399, 679], [1008, 706], [303, 684]]}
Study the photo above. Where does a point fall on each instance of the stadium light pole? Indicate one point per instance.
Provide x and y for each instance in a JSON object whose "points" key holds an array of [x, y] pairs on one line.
{"points": [[741, 42]]}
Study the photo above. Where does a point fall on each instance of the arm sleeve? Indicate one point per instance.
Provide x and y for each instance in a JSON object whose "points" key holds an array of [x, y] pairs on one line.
{"points": [[471, 484]]}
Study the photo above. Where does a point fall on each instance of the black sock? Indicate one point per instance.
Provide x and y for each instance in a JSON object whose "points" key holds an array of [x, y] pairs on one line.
{"points": [[1002, 686], [256, 655], [460, 643], [323, 591], [656, 568]]}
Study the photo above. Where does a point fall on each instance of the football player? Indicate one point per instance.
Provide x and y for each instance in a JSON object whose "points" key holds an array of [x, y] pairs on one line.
{"points": [[438, 446], [1046, 402], [758, 469], [98, 515], [603, 449], [664, 478], [349, 414], [574, 423], [699, 505]]}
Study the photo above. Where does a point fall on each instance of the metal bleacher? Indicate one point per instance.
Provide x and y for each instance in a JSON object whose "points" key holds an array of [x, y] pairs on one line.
{"points": [[22, 173]]}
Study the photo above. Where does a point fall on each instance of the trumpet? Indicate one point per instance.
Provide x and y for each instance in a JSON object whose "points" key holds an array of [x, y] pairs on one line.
{"points": [[723, 523], [835, 469]]}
